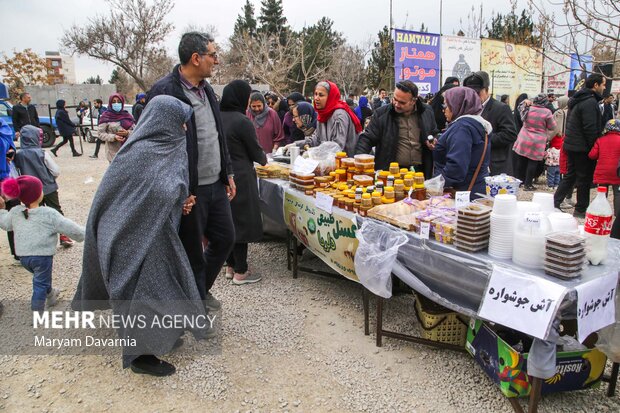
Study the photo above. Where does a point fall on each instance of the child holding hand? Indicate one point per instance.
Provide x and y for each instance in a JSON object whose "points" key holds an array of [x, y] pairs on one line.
{"points": [[35, 228]]}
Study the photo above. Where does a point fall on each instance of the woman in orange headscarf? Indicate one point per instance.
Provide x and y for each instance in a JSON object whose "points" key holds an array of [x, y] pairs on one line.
{"points": [[336, 121]]}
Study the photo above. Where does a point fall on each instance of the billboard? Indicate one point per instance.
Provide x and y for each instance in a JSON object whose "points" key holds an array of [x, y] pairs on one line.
{"points": [[557, 73], [416, 58], [460, 56], [580, 66]]}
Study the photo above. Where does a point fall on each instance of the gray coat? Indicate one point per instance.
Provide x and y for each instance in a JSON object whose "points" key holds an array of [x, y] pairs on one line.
{"points": [[30, 159], [134, 261], [339, 128]]}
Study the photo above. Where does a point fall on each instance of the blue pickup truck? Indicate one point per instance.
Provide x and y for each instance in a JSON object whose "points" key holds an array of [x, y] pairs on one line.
{"points": [[47, 124]]}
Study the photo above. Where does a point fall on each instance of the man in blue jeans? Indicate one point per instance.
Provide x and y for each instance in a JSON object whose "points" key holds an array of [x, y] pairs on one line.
{"points": [[211, 180]]}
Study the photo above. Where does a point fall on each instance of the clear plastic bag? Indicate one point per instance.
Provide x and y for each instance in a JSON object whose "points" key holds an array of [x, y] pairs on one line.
{"points": [[325, 153], [609, 337], [375, 256], [434, 186]]}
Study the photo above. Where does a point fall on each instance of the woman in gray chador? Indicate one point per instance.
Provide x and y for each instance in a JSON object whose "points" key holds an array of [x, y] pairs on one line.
{"points": [[134, 261]]}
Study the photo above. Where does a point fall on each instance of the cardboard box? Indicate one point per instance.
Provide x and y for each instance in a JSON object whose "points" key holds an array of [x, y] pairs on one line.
{"points": [[575, 370]]}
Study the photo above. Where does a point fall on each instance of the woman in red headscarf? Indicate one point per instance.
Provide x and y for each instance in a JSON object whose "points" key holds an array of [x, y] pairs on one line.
{"points": [[336, 121]]}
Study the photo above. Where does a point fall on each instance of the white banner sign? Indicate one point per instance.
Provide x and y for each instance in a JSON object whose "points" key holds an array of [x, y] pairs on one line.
{"points": [[596, 305], [557, 73], [526, 303], [460, 56]]}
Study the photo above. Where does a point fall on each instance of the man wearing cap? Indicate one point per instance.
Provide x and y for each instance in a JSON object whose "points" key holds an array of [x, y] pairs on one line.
{"points": [[399, 131], [501, 119], [139, 106]]}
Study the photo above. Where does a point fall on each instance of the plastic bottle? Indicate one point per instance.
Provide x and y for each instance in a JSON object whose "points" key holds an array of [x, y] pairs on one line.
{"points": [[598, 227]]}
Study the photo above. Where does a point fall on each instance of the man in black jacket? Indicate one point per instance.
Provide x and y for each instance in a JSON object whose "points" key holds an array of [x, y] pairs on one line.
{"points": [[399, 131], [24, 114], [501, 119], [584, 125], [211, 180]]}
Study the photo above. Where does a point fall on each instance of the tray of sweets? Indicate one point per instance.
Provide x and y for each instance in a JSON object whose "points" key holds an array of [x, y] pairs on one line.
{"points": [[564, 240]]}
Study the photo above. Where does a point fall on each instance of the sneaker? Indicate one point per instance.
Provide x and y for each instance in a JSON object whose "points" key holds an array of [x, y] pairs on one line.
{"points": [[52, 297], [230, 272], [93, 157], [569, 201], [151, 365], [65, 241], [566, 205], [246, 278], [212, 303], [77, 154]]}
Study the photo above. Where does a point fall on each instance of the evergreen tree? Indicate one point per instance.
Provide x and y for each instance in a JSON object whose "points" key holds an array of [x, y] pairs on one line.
{"points": [[381, 63], [272, 20], [512, 28], [246, 23]]}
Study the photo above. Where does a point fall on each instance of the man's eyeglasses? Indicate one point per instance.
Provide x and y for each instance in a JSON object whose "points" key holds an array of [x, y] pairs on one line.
{"points": [[214, 55]]}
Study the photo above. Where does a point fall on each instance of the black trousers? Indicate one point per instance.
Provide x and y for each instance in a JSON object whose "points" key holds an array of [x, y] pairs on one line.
{"points": [[9, 205], [580, 175], [66, 139], [526, 169], [97, 146], [51, 200], [211, 218], [238, 258]]}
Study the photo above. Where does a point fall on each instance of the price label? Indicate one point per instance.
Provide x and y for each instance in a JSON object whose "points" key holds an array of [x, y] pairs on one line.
{"points": [[425, 230], [462, 199], [324, 202], [533, 219]]}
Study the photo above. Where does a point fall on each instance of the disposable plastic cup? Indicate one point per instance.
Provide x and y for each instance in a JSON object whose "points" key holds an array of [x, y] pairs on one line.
{"points": [[505, 204], [545, 201]]}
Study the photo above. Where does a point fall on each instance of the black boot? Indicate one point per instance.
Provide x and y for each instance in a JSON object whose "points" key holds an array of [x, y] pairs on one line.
{"points": [[53, 151], [151, 365]]}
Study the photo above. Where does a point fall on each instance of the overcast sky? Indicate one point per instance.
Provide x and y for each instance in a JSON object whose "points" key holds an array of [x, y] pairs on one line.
{"points": [[39, 24]]}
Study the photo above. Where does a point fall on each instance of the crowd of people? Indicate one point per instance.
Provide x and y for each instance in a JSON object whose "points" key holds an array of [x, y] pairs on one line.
{"points": [[181, 188]]}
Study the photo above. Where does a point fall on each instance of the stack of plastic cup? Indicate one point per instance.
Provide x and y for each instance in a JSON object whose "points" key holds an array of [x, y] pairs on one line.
{"points": [[529, 239], [503, 219], [545, 201], [563, 222]]}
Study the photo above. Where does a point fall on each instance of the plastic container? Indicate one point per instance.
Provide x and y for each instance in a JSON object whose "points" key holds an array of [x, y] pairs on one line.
{"points": [[418, 180], [390, 180], [389, 192], [379, 187], [339, 157], [364, 159], [347, 163], [545, 200], [362, 180], [376, 198], [563, 222], [505, 205], [439, 323], [408, 180], [341, 175], [597, 228], [502, 184], [394, 168]]}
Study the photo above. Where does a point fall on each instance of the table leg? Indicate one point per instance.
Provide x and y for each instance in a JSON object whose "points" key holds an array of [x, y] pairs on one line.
{"points": [[535, 394], [613, 380], [366, 304], [514, 402], [295, 257], [379, 328], [288, 249]]}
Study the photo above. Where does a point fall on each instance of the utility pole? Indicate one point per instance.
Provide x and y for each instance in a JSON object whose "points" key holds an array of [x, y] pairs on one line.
{"points": [[481, 20]]}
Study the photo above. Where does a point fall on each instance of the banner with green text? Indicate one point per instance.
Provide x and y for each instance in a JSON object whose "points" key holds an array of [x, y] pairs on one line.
{"points": [[330, 236]]}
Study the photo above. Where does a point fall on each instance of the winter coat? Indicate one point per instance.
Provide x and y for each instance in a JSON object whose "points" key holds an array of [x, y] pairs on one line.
{"points": [[383, 131], [23, 116], [31, 160], [339, 128], [136, 111], [503, 137], [532, 139], [606, 150], [65, 125], [585, 121], [270, 133], [458, 151], [171, 85], [107, 133], [244, 151]]}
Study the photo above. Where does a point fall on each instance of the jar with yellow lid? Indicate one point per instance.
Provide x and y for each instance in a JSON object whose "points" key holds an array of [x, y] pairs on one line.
{"points": [[376, 198], [385, 200], [404, 171], [399, 185], [343, 187], [366, 200], [389, 192], [341, 175], [348, 204], [394, 168], [408, 180], [418, 180], [383, 176], [339, 157]]}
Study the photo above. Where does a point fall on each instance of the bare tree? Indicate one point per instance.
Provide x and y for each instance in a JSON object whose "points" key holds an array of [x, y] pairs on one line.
{"points": [[264, 58], [348, 69], [590, 27], [130, 37]]}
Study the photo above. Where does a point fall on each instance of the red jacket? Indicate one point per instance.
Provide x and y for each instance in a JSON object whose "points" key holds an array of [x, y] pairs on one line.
{"points": [[607, 150]]}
